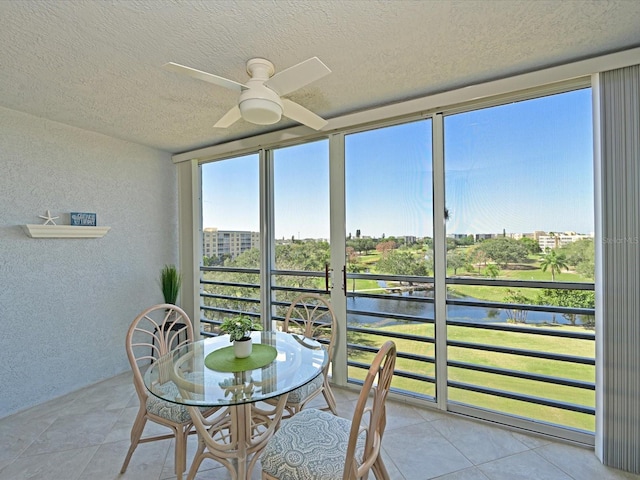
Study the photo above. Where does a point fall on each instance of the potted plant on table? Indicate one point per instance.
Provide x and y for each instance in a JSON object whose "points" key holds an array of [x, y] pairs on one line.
{"points": [[239, 329]]}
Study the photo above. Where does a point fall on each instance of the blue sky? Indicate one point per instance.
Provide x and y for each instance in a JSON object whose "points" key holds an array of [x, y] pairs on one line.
{"points": [[518, 167]]}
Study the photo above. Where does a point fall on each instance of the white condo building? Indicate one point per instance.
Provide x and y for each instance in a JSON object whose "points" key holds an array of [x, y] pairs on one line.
{"points": [[228, 242]]}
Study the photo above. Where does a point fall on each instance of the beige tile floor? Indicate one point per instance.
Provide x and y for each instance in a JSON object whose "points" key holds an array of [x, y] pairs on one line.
{"points": [[84, 436]]}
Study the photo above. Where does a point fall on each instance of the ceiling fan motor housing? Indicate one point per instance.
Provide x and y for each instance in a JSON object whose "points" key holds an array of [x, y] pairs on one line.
{"points": [[259, 104]]}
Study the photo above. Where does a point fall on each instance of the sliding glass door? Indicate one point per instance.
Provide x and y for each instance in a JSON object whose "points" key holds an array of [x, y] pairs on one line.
{"points": [[301, 221], [230, 267], [389, 251], [520, 260]]}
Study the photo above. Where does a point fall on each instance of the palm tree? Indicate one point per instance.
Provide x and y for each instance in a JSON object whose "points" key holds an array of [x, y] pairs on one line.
{"points": [[492, 270], [555, 262]]}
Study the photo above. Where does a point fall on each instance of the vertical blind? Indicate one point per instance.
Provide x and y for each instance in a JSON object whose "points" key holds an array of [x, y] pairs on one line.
{"points": [[620, 356]]}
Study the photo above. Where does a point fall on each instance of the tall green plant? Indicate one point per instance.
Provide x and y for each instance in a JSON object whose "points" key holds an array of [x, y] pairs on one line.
{"points": [[170, 282]]}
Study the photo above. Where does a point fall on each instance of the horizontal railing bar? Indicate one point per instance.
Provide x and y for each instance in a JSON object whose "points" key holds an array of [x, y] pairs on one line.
{"points": [[362, 348], [409, 298], [387, 333], [525, 398], [230, 297], [391, 278], [319, 307], [398, 316], [478, 281], [230, 284], [523, 353], [230, 270], [520, 283], [415, 357], [410, 356], [298, 273], [524, 375], [227, 310], [297, 290], [526, 330], [523, 306], [396, 373], [414, 376]]}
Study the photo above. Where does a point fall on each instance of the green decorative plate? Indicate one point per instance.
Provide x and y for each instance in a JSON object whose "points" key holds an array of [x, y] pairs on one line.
{"points": [[224, 359]]}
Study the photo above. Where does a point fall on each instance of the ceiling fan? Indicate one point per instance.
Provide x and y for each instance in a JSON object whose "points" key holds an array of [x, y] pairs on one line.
{"points": [[260, 99]]}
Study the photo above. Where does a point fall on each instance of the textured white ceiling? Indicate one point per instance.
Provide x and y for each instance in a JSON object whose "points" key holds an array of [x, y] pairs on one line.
{"points": [[97, 64]]}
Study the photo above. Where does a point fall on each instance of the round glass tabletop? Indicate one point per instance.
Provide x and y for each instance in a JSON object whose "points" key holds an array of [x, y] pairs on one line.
{"points": [[197, 374]]}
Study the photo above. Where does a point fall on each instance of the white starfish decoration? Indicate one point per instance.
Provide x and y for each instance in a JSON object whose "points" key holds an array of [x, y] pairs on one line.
{"points": [[48, 218]]}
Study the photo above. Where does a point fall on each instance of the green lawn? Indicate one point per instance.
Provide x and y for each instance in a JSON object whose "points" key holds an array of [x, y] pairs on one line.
{"points": [[522, 271], [573, 395]]}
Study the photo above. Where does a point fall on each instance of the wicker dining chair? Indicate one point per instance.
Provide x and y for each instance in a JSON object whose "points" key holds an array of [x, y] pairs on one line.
{"points": [[154, 332], [316, 444], [312, 316]]}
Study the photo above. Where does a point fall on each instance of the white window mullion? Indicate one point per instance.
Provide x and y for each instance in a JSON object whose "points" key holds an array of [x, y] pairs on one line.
{"points": [[337, 243], [440, 261], [267, 237]]}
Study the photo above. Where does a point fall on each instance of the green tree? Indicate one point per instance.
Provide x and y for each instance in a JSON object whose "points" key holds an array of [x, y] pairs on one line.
{"points": [[354, 267], [503, 250], [466, 241], [308, 255], [384, 247], [402, 262], [455, 260], [553, 261], [477, 255], [492, 270], [581, 255], [531, 245], [570, 298], [368, 244]]}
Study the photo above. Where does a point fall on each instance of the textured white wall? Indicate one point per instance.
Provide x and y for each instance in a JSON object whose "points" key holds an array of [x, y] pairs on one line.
{"points": [[65, 304]]}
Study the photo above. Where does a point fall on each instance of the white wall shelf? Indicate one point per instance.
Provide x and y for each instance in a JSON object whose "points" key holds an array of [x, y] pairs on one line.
{"points": [[64, 231]]}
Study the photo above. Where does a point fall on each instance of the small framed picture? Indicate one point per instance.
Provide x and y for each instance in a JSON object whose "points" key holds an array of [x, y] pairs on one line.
{"points": [[83, 219]]}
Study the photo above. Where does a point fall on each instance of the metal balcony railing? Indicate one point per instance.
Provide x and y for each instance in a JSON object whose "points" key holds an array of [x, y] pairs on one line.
{"points": [[502, 373]]}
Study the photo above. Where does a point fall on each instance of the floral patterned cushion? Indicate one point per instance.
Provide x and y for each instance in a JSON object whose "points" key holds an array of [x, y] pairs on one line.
{"points": [[168, 410], [300, 393], [311, 445]]}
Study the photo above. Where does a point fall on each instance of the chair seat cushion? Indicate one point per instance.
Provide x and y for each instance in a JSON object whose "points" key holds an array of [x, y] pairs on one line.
{"points": [[300, 393], [311, 445], [170, 411]]}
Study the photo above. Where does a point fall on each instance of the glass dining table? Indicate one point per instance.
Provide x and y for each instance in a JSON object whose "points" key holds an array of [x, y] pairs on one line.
{"points": [[250, 393]]}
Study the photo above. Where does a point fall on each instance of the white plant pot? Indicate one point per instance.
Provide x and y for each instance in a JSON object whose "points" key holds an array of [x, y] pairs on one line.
{"points": [[242, 348]]}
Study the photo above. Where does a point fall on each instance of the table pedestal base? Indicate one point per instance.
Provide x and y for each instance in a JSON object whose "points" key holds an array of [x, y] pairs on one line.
{"points": [[235, 436]]}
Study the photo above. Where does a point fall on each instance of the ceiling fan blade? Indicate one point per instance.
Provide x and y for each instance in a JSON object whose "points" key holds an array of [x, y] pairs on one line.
{"points": [[297, 112], [207, 77], [229, 118], [298, 76]]}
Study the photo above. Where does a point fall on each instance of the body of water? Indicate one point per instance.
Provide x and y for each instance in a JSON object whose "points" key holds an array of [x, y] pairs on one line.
{"points": [[423, 310]]}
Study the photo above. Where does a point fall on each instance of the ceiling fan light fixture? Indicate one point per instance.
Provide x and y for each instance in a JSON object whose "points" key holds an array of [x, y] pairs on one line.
{"points": [[261, 98], [260, 111]]}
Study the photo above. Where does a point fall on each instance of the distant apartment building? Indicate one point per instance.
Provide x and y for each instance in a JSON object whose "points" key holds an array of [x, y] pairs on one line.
{"points": [[457, 236], [478, 237], [228, 242], [555, 240]]}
